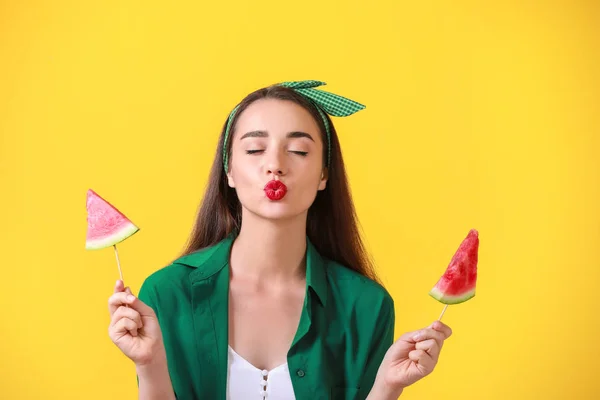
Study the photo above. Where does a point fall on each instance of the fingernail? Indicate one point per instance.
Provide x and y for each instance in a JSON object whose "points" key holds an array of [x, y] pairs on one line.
{"points": [[130, 297]]}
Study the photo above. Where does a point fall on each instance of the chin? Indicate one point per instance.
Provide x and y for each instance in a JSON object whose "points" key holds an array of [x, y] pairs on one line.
{"points": [[277, 210]]}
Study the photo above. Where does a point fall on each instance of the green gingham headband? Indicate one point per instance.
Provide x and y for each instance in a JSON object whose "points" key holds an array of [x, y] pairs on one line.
{"points": [[324, 102]]}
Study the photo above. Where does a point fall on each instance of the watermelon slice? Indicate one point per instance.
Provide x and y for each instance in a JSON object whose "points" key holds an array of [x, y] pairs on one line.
{"points": [[107, 226], [457, 285]]}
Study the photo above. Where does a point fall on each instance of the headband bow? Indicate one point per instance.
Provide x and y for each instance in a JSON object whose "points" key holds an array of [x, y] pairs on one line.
{"points": [[324, 102]]}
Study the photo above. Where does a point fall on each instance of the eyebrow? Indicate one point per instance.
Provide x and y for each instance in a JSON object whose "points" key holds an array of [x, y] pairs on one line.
{"points": [[262, 134]]}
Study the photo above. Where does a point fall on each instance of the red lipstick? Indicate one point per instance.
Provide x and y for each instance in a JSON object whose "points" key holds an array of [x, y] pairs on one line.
{"points": [[275, 190]]}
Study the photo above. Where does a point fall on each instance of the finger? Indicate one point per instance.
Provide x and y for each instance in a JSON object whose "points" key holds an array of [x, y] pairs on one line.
{"points": [[125, 312], [118, 286], [125, 326], [428, 333], [430, 346], [128, 290], [424, 360], [140, 306], [408, 336], [418, 355], [118, 299], [441, 327]]}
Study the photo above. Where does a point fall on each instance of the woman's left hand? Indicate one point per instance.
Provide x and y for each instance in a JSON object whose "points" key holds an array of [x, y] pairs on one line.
{"points": [[412, 357]]}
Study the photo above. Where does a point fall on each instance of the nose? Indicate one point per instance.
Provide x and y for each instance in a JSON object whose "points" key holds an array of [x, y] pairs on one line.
{"points": [[275, 164]]}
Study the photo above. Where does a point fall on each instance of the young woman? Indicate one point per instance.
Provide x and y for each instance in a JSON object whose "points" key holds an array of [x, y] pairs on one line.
{"points": [[275, 297]]}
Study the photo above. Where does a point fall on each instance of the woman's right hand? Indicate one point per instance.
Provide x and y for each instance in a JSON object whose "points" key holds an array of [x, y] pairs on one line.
{"points": [[134, 329]]}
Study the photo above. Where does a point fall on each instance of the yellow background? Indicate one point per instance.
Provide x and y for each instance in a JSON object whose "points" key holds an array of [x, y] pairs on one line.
{"points": [[479, 115]]}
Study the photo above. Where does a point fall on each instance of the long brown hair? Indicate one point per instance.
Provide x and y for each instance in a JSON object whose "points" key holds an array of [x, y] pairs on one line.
{"points": [[332, 224]]}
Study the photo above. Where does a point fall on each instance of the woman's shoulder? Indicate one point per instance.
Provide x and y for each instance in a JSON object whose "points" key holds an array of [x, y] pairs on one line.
{"points": [[178, 270], [354, 289]]}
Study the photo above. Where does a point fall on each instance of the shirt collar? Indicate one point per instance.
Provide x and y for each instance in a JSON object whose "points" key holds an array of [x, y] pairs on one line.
{"points": [[213, 259], [316, 276]]}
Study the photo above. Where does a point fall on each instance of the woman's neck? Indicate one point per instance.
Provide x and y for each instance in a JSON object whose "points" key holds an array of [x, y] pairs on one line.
{"points": [[270, 250]]}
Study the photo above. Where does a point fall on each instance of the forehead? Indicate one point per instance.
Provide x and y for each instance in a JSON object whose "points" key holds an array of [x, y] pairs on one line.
{"points": [[276, 117]]}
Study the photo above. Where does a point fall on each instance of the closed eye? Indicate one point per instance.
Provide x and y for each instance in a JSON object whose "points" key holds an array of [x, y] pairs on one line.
{"points": [[300, 153]]}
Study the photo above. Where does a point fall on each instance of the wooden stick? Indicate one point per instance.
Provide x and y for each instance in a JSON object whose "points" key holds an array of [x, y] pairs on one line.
{"points": [[119, 265], [443, 311], [118, 262]]}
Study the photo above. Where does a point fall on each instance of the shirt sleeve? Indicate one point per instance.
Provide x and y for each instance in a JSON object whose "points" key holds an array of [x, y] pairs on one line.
{"points": [[148, 296], [383, 338]]}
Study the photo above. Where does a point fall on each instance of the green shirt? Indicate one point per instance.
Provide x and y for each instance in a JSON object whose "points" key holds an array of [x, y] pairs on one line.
{"points": [[346, 326]]}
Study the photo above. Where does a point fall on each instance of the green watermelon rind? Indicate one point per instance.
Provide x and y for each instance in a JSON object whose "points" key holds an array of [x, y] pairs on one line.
{"points": [[117, 237], [448, 299]]}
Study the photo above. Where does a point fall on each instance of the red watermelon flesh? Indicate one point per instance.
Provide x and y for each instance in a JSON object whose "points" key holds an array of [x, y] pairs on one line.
{"points": [[457, 285], [106, 226]]}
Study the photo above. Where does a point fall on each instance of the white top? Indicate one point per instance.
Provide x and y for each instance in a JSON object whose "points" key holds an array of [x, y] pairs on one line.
{"points": [[246, 382]]}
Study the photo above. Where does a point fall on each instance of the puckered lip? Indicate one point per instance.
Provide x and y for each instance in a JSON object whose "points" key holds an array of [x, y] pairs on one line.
{"points": [[275, 189]]}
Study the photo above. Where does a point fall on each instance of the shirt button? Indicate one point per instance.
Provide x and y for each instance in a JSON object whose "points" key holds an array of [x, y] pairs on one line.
{"points": [[300, 373]]}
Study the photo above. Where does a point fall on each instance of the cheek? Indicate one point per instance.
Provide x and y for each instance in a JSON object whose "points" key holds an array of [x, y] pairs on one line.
{"points": [[241, 169], [241, 177], [308, 187]]}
